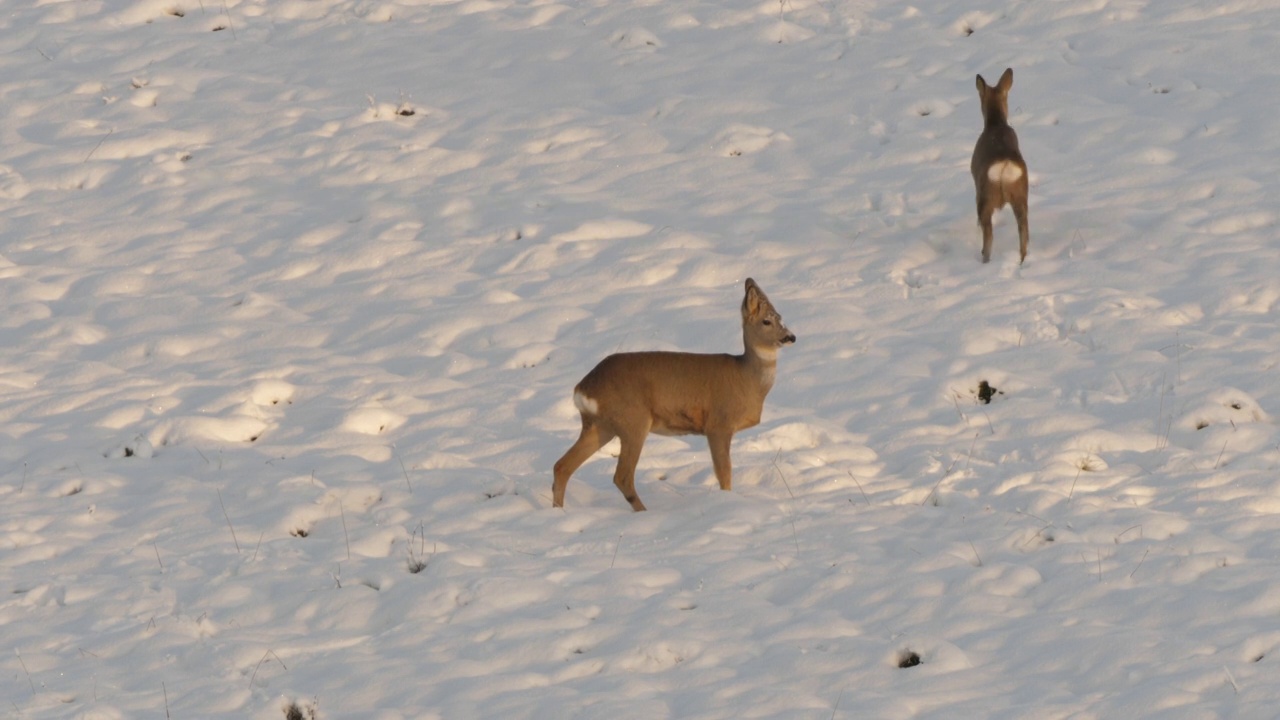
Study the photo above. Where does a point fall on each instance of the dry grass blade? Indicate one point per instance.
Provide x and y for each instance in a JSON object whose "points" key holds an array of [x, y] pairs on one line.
{"points": [[228, 517], [855, 482]]}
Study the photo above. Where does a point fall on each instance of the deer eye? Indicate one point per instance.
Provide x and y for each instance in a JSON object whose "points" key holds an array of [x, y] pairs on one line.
{"points": [[767, 323]]}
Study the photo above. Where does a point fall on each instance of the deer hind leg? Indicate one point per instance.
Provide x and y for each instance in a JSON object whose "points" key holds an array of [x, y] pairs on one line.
{"points": [[1024, 231], [592, 438], [625, 475], [720, 461], [986, 208]]}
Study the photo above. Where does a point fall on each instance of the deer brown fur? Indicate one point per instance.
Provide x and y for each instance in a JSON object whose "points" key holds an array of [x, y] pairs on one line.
{"points": [[629, 395], [999, 172]]}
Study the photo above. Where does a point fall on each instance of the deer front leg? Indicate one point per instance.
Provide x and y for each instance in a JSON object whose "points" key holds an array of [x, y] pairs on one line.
{"points": [[625, 476], [720, 462]]}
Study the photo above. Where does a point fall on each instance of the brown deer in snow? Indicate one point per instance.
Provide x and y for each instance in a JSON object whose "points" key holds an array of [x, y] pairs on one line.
{"points": [[629, 395], [999, 172]]}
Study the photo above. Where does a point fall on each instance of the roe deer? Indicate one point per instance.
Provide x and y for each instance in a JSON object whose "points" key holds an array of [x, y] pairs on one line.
{"points": [[629, 395], [999, 173]]}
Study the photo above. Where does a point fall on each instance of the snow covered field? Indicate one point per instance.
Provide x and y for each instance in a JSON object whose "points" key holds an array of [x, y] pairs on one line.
{"points": [[295, 293]]}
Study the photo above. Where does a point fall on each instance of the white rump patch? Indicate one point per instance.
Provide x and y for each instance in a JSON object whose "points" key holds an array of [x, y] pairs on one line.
{"points": [[585, 404], [1005, 171]]}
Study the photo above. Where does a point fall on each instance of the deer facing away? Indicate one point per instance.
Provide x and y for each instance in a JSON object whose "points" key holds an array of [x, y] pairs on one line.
{"points": [[629, 395], [999, 172]]}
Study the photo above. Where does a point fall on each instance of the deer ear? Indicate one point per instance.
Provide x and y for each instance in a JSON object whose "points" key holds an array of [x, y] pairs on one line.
{"points": [[754, 301], [1006, 80], [982, 85]]}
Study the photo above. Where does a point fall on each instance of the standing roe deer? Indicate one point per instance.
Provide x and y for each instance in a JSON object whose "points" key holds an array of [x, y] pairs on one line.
{"points": [[629, 395], [999, 173]]}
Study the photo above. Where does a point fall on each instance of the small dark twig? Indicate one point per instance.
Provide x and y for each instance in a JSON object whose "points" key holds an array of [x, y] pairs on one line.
{"points": [[1126, 530], [1218, 463], [855, 482], [95, 147], [345, 536], [784, 477], [230, 24], [795, 537], [228, 517], [25, 670], [402, 469], [951, 467], [264, 659], [1144, 557], [972, 445]]}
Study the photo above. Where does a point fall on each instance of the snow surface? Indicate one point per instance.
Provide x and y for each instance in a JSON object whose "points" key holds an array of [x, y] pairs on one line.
{"points": [[296, 292]]}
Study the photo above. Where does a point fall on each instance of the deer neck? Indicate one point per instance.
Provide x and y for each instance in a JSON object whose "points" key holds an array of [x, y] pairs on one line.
{"points": [[761, 363], [995, 115]]}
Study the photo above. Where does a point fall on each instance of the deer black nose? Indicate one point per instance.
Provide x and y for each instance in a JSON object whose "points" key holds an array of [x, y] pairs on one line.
{"points": [[790, 338]]}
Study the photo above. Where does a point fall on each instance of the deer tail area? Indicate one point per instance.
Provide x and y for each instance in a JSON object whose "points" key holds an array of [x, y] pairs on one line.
{"points": [[1004, 172]]}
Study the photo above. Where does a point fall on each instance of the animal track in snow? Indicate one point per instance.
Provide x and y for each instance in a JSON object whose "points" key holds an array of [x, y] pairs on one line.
{"points": [[1225, 407], [138, 447], [935, 107], [655, 658], [272, 392], [972, 22], [236, 428], [372, 420], [738, 140], [635, 39]]}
